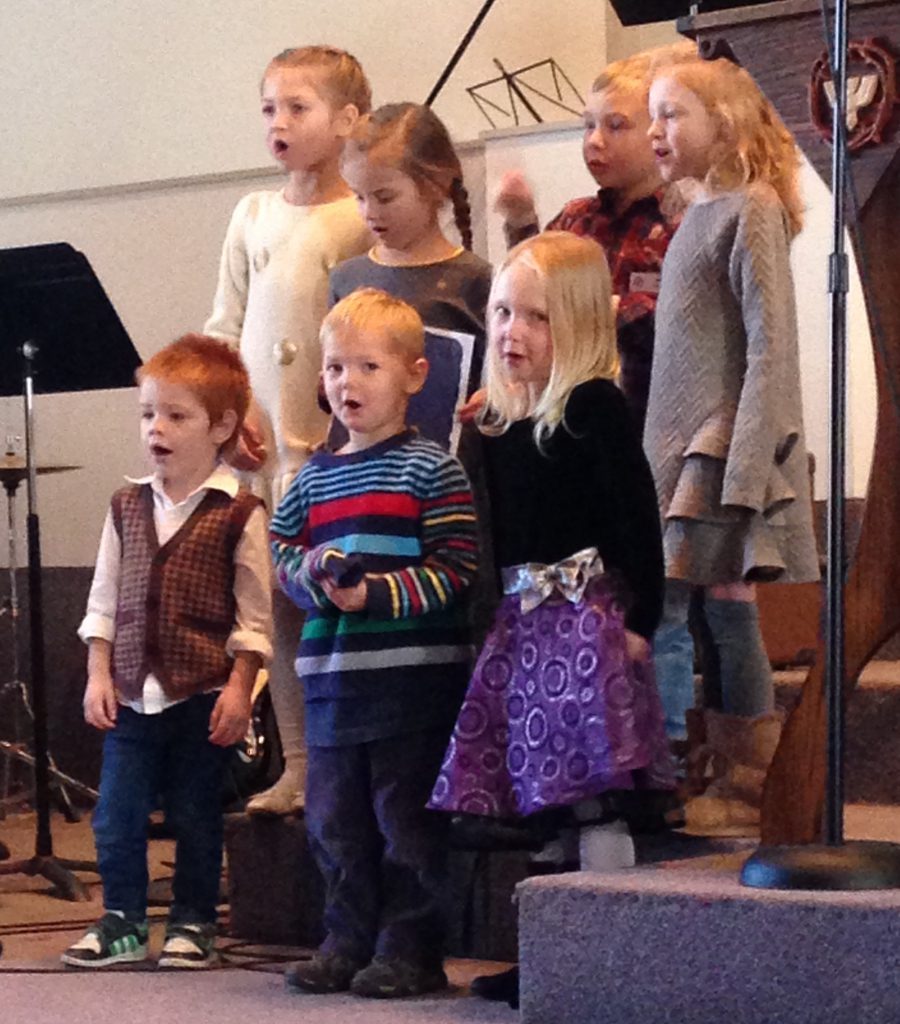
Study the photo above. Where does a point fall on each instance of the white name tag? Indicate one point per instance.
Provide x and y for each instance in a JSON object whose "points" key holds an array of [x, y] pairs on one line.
{"points": [[644, 281]]}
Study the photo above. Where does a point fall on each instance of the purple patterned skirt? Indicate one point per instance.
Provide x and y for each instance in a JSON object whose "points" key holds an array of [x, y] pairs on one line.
{"points": [[556, 712]]}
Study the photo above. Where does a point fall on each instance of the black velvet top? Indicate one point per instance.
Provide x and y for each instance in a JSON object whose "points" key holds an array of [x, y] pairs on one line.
{"points": [[590, 487]]}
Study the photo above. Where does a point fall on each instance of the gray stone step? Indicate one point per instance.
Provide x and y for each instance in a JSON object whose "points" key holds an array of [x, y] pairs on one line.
{"points": [[687, 944]]}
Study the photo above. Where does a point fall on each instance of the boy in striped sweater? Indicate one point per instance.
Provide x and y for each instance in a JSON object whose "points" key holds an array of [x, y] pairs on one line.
{"points": [[378, 541]]}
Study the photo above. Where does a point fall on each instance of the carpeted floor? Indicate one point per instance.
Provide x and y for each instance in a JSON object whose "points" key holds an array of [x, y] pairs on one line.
{"points": [[216, 997], [35, 926]]}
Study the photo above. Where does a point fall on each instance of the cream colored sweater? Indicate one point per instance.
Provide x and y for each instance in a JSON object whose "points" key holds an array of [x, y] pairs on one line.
{"points": [[270, 301]]}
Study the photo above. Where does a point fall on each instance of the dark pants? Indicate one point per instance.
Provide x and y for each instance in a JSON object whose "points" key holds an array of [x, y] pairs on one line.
{"points": [[382, 855], [168, 756]]}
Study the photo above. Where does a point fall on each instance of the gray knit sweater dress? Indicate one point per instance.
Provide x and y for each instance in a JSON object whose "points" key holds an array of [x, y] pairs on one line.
{"points": [[724, 430]]}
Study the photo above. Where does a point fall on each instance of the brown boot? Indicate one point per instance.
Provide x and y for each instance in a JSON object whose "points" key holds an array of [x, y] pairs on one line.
{"points": [[741, 750], [691, 757]]}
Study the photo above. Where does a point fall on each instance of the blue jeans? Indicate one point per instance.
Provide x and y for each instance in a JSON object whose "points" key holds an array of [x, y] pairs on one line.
{"points": [[673, 656], [169, 757], [381, 853]]}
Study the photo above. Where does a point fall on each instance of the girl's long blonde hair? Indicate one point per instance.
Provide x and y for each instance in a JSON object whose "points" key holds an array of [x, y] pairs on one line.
{"points": [[754, 144], [576, 277]]}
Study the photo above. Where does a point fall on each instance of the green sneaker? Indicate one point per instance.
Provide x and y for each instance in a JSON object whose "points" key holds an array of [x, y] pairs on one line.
{"points": [[189, 946], [112, 940]]}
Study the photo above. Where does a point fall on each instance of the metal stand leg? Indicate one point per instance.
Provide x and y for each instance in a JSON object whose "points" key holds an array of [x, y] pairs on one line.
{"points": [[16, 690]]}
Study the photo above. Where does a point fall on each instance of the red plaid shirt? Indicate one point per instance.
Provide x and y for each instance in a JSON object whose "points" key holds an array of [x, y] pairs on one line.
{"points": [[635, 242]]}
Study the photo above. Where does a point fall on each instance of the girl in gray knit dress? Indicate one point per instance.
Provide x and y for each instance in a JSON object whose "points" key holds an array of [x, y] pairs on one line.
{"points": [[724, 431]]}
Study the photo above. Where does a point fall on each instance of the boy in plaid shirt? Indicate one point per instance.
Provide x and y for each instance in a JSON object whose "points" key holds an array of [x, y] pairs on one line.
{"points": [[627, 215]]}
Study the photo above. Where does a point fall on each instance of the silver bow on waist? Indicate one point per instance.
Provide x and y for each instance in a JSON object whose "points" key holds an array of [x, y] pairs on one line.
{"points": [[535, 582]]}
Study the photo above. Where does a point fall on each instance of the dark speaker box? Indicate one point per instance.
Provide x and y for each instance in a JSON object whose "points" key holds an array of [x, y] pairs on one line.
{"points": [[276, 893], [275, 890]]}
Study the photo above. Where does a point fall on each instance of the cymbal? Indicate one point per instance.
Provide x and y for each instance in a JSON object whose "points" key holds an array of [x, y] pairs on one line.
{"points": [[13, 469]]}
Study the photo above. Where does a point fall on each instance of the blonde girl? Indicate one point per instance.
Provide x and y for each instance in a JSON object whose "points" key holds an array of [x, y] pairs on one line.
{"points": [[569, 486], [561, 731], [724, 432]]}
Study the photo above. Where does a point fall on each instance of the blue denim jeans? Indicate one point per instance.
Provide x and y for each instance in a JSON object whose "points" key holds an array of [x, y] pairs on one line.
{"points": [[381, 853], [739, 658], [167, 758], [673, 656]]}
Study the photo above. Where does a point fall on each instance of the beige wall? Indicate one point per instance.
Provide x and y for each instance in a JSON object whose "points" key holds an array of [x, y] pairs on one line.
{"points": [[156, 253], [100, 92]]}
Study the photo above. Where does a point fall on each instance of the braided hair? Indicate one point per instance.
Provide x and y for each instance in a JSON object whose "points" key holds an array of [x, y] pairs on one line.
{"points": [[462, 211]]}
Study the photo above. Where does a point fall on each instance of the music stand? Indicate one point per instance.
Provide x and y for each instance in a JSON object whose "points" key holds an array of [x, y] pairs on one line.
{"points": [[58, 332]]}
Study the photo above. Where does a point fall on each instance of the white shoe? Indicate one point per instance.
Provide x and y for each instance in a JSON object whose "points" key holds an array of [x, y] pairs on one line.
{"points": [[607, 847], [278, 801], [190, 946]]}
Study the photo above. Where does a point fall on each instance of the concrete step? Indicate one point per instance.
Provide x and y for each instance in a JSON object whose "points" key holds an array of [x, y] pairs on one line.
{"points": [[872, 733], [687, 943]]}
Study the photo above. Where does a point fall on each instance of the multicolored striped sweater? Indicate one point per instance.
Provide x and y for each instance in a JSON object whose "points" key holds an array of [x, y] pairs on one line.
{"points": [[403, 510]]}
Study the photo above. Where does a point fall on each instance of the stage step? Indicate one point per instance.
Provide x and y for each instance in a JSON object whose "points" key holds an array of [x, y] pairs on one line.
{"points": [[275, 890], [687, 943], [872, 762]]}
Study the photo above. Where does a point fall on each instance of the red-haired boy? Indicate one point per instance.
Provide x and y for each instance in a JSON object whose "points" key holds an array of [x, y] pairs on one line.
{"points": [[178, 624]]}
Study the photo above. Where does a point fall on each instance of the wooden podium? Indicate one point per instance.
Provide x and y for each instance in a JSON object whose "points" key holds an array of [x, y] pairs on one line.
{"points": [[783, 46]]}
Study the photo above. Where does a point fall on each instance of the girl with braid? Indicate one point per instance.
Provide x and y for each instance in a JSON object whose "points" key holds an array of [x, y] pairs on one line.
{"points": [[403, 168]]}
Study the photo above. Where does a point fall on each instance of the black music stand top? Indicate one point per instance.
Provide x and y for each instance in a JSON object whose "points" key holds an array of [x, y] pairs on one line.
{"points": [[50, 295]]}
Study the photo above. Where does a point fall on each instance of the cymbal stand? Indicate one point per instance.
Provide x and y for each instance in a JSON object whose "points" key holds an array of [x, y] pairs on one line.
{"points": [[15, 688]]}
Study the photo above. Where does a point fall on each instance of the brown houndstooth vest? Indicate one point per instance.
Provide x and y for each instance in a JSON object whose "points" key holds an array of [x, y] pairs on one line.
{"points": [[176, 604]]}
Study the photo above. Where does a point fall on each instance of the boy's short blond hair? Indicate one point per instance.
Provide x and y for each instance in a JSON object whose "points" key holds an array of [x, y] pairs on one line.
{"points": [[637, 71], [629, 73], [340, 73], [213, 372], [370, 310]]}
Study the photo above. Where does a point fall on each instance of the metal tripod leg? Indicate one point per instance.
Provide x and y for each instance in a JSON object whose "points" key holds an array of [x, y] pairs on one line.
{"points": [[56, 870]]}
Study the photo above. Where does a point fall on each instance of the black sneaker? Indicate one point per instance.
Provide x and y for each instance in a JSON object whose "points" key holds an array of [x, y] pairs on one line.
{"points": [[387, 978], [323, 973], [112, 940], [498, 988], [191, 946]]}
